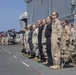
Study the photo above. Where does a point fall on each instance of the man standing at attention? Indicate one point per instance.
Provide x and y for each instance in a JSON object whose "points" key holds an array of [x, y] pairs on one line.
{"points": [[48, 32], [55, 39]]}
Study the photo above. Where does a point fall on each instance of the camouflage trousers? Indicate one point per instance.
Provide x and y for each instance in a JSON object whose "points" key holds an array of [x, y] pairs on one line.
{"points": [[27, 47], [35, 48], [44, 49], [55, 50]]}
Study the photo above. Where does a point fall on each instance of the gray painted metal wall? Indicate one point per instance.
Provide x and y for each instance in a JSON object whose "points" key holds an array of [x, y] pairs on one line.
{"points": [[40, 9]]}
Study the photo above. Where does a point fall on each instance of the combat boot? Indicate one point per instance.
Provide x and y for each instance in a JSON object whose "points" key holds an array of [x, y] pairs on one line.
{"points": [[55, 67], [26, 55], [35, 59], [44, 62]]}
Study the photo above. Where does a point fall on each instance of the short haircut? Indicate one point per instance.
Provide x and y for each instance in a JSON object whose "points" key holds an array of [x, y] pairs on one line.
{"points": [[50, 17], [25, 27], [40, 21], [57, 14], [66, 21], [44, 20], [31, 27]]}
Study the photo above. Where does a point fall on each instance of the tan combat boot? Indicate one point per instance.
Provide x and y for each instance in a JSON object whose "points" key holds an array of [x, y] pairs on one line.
{"points": [[35, 59], [55, 67], [45, 62]]}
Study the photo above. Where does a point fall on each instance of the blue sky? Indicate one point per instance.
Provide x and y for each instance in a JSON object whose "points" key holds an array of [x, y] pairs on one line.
{"points": [[10, 11]]}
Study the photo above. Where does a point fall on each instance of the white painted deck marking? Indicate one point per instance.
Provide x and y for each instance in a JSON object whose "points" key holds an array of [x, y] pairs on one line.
{"points": [[25, 64], [14, 56]]}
